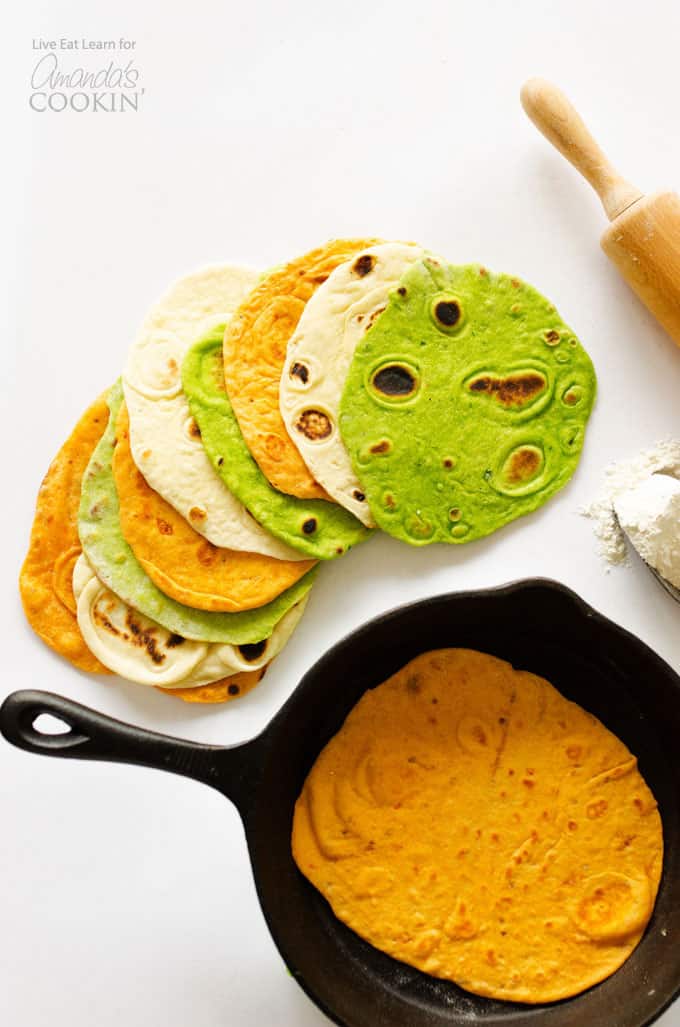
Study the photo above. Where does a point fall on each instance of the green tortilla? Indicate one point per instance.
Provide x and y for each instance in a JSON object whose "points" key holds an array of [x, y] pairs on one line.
{"points": [[116, 566], [315, 527], [465, 405]]}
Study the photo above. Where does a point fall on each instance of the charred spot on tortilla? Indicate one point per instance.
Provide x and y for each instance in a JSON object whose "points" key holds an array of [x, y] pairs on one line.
{"points": [[300, 371], [523, 464], [145, 638], [513, 390], [394, 380], [217, 371], [207, 554], [447, 312], [233, 690], [314, 424], [373, 317], [174, 641], [363, 264], [253, 651], [309, 526], [573, 396], [105, 622]]}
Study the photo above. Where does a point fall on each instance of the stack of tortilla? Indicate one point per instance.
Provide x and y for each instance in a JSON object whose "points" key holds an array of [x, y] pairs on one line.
{"points": [[264, 423]]}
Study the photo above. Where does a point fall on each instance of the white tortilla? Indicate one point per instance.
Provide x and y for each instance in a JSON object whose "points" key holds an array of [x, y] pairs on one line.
{"points": [[332, 323], [170, 457], [126, 642]]}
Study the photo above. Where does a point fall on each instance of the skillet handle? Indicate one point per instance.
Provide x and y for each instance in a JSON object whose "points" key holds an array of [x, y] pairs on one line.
{"points": [[94, 736]]}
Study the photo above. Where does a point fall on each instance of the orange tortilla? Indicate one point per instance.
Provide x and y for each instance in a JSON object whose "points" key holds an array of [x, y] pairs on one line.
{"points": [[220, 691], [470, 821], [46, 579], [255, 343], [182, 563]]}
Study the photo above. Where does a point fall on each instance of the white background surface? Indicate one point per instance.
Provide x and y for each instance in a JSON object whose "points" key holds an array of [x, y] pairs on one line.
{"points": [[264, 129]]}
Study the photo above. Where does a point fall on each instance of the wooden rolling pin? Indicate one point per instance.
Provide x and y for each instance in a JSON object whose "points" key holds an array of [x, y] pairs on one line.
{"points": [[643, 239]]}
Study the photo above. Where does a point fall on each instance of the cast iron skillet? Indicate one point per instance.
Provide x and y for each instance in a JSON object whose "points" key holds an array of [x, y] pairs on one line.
{"points": [[538, 625]]}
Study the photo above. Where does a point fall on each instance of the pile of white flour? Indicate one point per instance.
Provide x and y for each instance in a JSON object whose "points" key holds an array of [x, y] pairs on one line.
{"points": [[650, 516], [620, 478]]}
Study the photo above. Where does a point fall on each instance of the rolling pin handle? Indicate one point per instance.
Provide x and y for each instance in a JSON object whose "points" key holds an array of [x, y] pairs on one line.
{"points": [[561, 124]]}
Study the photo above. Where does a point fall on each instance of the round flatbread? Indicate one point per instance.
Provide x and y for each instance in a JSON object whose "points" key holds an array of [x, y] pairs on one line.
{"points": [[254, 354], [117, 568], [45, 582], [183, 564], [465, 405], [318, 529], [163, 439], [142, 651], [470, 821], [319, 355]]}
